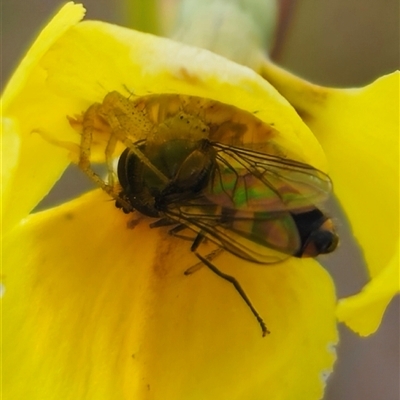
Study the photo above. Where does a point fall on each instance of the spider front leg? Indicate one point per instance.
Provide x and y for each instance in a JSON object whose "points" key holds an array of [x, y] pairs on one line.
{"points": [[109, 153], [84, 162], [121, 136]]}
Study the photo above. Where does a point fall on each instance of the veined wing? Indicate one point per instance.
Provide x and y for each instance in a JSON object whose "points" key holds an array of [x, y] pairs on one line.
{"points": [[261, 237], [253, 181]]}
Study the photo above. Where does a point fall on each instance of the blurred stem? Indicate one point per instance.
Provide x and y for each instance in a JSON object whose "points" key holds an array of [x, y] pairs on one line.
{"points": [[142, 15], [287, 9], [241, 31]]}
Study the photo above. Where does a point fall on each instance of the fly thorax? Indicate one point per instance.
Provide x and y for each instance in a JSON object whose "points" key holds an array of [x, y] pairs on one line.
{"points": [[189, 167]]}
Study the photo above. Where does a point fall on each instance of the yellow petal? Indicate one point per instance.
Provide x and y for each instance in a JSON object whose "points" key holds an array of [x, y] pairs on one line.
{"points": [[359, 131], [363, 312], [10, 143], [68, 16], [39, 164], [98, 311]]}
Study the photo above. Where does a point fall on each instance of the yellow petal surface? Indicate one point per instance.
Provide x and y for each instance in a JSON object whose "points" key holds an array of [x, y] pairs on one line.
{"points": [[98, 311], [66, 71], [10, 144], [359, 131], [39, 164]]}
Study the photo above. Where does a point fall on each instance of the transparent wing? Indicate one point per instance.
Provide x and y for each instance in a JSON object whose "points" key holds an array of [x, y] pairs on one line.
{"points": [[253, 181], [258, 237]]}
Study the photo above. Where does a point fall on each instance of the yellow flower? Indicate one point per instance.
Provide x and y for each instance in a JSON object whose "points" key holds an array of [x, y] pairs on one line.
{"points": [[93, 310]]}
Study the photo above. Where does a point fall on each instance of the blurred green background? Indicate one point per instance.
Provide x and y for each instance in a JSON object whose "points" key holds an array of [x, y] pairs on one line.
{"points": [[331, 42]]}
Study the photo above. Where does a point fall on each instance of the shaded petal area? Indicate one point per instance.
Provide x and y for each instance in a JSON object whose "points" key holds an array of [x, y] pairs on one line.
{"points": [[106, 312], [359, 131]]}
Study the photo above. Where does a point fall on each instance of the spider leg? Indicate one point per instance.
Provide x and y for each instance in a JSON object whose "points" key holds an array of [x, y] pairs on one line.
{"points": [[109, 152], [84, 162], [73, 148], [121, 135]]}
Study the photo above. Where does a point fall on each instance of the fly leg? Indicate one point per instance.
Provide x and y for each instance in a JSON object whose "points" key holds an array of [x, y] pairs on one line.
{"points": [[163, 222], [175, 231], [209, 257], [228, 278]]}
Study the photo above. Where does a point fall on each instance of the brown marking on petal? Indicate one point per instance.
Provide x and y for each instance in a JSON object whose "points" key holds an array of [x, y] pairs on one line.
{"points": [[69, 216], [165, 248], [304, 115], [307, 98], [134, 221], [184, 74], [311, 96]]}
